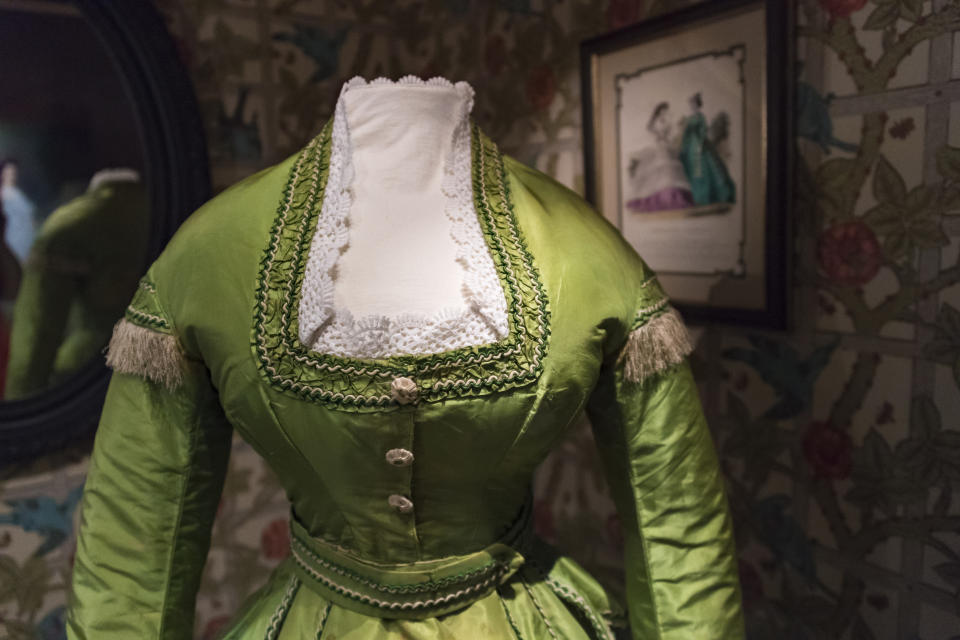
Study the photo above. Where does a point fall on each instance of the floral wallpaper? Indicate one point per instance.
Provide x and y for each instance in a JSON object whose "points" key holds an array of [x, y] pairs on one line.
{"points": [[840, 439]]}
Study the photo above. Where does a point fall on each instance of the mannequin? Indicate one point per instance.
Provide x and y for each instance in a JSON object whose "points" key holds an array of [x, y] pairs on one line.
{"points": [[402, 321]]}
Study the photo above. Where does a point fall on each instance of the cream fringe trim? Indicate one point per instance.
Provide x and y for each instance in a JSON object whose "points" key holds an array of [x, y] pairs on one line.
{"points": [[145, 353], [660, 343]]}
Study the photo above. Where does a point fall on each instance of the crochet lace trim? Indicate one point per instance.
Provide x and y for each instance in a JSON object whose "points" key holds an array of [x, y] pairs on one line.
{"points": [[325, 328]]}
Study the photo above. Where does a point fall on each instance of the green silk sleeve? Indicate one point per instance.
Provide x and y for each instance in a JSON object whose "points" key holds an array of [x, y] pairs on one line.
{"points": [[658, 454], [152, 492]]}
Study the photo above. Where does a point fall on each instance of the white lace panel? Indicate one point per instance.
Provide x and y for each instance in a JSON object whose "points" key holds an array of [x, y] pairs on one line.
{"points": [[483, 317]]}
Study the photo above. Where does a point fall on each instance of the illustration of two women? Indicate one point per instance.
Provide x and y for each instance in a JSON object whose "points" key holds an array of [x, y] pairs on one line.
{"points": [[680, 174]]}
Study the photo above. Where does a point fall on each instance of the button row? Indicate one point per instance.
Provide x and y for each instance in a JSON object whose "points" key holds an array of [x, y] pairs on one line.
{"points": [[402, 504], [404, 390], [400, 457]]}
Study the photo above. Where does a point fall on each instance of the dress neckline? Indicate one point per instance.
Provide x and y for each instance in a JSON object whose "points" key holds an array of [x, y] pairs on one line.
{"points": [[365, 384], [327, 328]]}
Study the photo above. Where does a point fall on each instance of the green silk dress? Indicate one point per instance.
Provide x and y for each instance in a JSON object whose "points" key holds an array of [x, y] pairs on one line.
{"points": [[408, 476]]}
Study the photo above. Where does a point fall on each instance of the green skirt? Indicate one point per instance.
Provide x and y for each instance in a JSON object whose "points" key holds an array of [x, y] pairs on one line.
{"points": [[516, 588]]}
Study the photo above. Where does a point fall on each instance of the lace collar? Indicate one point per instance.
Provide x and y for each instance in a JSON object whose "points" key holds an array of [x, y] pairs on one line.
{"points": [[357, 383], [328, 329]]}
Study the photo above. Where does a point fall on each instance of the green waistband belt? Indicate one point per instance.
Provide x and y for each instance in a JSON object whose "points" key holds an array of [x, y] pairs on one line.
{"points": [[413, 590]]}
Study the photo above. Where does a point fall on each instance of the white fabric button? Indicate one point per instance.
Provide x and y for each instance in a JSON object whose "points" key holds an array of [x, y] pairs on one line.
{"points": [[404, 390], [400, 457], [402, 504]]}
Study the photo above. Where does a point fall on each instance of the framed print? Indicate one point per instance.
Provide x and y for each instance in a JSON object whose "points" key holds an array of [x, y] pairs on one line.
{"points": [[688, 151]]}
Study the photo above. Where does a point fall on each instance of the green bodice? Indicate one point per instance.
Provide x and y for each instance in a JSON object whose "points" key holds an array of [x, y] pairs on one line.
{"points": [[395, 467]]}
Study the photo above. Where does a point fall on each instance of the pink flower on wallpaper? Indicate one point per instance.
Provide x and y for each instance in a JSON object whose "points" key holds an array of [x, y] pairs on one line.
{"points": [[842, 8], [213, 627], [543, 521], [275, 539], [849, 253], [541, 87], [902, 129], [621, 13], [495, 54], [828, 451]]}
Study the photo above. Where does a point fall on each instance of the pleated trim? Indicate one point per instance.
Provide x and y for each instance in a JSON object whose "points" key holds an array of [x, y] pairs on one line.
{"points": [[539, 608], [601, 628], [146, 353], [659, 343]]}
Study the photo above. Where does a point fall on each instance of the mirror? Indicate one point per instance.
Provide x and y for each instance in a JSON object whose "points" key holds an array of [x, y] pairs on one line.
{"points": [[101, 158], [74, 204]]}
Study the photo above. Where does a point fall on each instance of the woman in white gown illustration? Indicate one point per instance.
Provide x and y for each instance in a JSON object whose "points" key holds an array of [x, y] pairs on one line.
{"points": [[657, 179]]}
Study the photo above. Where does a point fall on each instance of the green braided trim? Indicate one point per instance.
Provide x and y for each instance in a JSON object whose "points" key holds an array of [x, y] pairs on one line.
{"points": [[571, 597], [567, 594], [645, 315], [420, 587], [145, 309], [536, 605], [145, 319], [276, 622], [354, 384], [393, 605], [323, 621], [506, 611]]}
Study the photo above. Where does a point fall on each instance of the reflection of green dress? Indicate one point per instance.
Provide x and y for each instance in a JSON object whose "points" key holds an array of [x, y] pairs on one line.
{"points": [[82, 268], [709, 180], [408, 476]]}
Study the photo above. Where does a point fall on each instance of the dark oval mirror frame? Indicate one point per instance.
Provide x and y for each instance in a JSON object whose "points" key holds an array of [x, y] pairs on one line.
{"points": [[177, 175]]}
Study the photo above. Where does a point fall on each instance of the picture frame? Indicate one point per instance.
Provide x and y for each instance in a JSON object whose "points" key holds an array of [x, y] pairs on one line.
{"points": [[688, 151]]}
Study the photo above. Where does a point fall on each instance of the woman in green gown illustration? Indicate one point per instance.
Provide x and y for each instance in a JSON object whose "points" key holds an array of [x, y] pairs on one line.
{"points": [[710, 181]]}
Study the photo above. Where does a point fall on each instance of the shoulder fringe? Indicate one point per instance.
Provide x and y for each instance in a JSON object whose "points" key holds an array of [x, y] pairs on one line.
{"points": [[146, 353], [652, 347]]}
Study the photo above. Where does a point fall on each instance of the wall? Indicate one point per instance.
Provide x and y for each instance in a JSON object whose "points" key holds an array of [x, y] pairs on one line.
{"points": [[840, 438]]}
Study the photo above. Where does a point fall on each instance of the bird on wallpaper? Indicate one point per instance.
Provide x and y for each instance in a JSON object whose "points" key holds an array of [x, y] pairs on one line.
{"points": [[813, 118], [779, 365], [783, 535], [319, 45], [53, 625], [43, 515], [239, 138]]}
